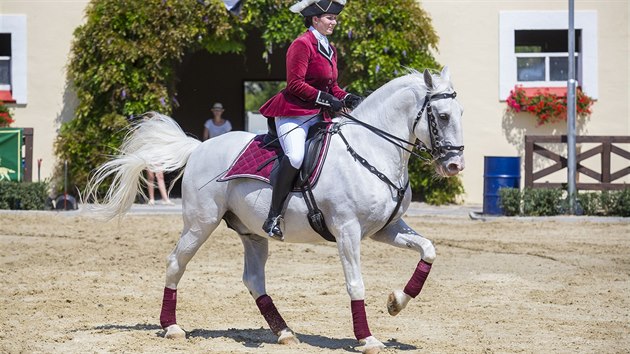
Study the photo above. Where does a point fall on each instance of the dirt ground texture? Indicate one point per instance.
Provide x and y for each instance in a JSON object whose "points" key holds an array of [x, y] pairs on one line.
{"points": [[72, 284]]}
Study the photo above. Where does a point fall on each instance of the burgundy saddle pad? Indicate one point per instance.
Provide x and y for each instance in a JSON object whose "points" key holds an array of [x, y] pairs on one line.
{"points": [[258, 159]]}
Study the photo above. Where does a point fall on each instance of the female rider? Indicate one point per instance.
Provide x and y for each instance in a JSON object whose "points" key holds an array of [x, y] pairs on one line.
{"points": [[311, 85]]}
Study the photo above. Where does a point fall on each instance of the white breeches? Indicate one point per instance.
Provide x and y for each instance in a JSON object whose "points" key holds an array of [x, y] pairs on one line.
{"points": [[292, 132]]}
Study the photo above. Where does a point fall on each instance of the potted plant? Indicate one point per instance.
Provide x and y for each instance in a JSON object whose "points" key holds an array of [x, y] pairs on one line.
{"points": [[6, 118], [547, 106]]}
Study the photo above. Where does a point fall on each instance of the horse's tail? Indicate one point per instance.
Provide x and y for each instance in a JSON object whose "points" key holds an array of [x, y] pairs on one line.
{"points": [[156, 143]]}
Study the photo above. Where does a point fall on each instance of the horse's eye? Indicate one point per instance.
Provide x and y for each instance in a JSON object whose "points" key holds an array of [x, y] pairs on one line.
{"points": [[443, 116]]}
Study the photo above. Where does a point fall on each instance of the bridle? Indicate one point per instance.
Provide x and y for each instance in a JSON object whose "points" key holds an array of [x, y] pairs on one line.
{"points": [[439, 148]]}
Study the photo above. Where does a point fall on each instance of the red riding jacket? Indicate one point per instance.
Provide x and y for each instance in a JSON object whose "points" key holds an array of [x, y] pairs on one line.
{"points": [[310, 69]]}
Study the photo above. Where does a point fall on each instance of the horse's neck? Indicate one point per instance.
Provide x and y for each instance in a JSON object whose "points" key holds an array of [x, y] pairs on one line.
{"points": [[393, 107], [389, 113]]}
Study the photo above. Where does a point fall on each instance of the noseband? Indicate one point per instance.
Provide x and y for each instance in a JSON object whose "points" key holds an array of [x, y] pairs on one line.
{"points": [[439, 148]]}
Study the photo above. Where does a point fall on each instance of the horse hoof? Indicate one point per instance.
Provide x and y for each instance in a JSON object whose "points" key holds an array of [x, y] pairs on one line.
{"points": [[287, 337], [397, 301], [174, 332], [371, 345]]}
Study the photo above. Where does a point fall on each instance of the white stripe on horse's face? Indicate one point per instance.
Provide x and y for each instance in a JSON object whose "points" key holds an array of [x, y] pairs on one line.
{"points": [[448, 115]]}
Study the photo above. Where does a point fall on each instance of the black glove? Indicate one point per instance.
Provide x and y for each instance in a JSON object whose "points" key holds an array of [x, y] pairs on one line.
{"points": [[327, 100], [351, 101]]}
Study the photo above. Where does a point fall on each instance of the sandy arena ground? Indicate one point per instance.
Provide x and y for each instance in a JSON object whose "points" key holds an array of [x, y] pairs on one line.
{"points": [[71, 284]]}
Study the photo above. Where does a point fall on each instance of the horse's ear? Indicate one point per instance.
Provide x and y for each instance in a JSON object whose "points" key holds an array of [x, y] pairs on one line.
{"points": [[428, 80], [446, 75]]}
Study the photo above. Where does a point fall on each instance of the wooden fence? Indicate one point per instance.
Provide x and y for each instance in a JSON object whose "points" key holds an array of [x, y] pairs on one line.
{"points": [[605, 178], [28, 154]]}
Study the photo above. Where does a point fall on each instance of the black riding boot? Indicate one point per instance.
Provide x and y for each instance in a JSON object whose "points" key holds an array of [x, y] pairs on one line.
{"points": [[282, 186]]}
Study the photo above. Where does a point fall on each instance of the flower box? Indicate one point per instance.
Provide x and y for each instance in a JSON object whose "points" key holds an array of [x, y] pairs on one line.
{"points": [[548, 104]]}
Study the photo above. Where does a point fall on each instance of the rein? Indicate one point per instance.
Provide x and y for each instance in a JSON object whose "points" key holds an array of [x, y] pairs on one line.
{"points": [[400, 191]]}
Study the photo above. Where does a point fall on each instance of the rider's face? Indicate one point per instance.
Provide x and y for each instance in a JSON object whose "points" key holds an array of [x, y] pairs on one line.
{"points": [[325, 24]]}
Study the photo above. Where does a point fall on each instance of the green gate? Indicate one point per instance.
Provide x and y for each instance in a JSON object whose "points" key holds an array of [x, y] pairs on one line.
{"points": [[11, 154]]}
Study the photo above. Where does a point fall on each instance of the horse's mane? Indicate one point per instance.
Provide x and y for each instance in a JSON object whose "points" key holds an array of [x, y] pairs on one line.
{"points": [[376, 102]]}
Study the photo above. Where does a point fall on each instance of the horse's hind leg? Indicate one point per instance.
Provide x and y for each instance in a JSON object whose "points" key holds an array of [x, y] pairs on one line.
{"points": [[191, 239], [400, 235], [256, 253]]}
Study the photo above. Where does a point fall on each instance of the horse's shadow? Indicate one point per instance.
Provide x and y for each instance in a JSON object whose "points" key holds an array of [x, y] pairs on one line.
{"points": [[255, 337], [136, 327]]}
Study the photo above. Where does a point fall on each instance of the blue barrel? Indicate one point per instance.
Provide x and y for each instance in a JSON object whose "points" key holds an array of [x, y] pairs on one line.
{"points": [[499, 172]]}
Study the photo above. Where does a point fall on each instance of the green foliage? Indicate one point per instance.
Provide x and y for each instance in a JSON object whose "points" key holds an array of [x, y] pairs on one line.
{"points": [[622, 206], [589, 203], [124, 58], [542, 202], [23, 195], [607, 202], [85, 144], [257, 93], [545, 202], [279, 26], [510, 200], [428, 187], [6, 116], [123, 63], [376, 40], [379, 40], [616, 202]]}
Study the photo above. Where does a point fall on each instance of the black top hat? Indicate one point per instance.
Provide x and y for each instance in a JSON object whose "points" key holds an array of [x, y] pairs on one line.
{"points": [[318, 7]]}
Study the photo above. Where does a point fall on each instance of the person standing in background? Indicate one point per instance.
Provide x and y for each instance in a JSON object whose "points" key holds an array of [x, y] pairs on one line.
{"points": [[151, 177], [217, 125]]}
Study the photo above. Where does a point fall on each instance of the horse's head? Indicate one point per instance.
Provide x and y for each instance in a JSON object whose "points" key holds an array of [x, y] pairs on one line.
{"points": [[438, 126]]}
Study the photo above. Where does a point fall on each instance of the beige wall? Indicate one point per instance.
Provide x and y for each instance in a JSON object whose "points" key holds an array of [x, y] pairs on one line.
{"points": [[50, 25], [469, 45]]}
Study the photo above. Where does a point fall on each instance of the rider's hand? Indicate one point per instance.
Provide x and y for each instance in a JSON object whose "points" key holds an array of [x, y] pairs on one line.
{"points": [[352, 100], [327, 100]]}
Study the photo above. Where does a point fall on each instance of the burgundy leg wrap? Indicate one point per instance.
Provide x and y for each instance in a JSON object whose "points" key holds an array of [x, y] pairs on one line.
{"points": [[169, 303], [417, 279], [359, 319], [271, 314]]}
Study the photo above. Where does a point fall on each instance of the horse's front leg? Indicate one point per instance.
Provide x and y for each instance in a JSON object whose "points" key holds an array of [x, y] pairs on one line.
{"points": [[399, 234], [256, 254], [350, 254]]}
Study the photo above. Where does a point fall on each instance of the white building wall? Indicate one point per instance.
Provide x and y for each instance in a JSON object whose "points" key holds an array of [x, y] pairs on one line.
{"points": [[50, 26], [469, 45]]}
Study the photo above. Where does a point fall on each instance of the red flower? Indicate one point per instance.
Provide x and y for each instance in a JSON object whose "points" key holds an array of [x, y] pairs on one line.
{"points": [[5, 115], [546, 106]]}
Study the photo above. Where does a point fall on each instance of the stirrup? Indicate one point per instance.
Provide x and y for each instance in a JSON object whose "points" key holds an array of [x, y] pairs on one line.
{"points": [[272, 228]]}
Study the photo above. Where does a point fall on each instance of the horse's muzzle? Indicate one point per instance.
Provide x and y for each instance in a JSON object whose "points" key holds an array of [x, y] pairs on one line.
{"points": [[451, 166]]}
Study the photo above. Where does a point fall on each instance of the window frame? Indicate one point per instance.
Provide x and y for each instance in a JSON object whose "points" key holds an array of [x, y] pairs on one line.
{"points": [[547, 56], [16, 26], [511, 21]]}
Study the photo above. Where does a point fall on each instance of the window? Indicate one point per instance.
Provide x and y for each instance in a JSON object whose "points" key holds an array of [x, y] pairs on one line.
{"points": [[13, 58], [543, 55], [5, 62], [534, 49]]}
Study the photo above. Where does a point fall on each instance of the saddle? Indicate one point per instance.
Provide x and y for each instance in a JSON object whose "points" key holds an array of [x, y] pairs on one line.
{"points": [[259, 158]]}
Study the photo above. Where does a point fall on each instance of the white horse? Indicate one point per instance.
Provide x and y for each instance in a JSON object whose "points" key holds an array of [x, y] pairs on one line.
{"points": [[356, 202]]}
